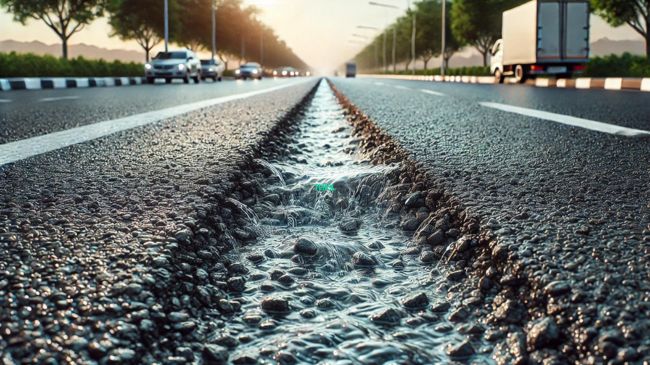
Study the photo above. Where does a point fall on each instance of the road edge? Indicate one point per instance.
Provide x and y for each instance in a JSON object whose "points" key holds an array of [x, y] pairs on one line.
{"points": [[609, 83]]}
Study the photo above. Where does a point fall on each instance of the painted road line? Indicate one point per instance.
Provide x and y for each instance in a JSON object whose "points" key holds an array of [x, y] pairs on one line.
{"points": [[58, 98], [19, 150], [569, 120], [5, 101], [379, 83], [402, 87], [431, 92]]}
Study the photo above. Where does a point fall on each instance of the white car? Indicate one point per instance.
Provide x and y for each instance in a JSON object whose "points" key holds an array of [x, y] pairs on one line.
{"points": [[212, 69], [182, 64]]}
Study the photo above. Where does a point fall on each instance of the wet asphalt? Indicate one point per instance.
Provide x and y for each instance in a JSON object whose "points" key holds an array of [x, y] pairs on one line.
{"points": [[572, 204]]}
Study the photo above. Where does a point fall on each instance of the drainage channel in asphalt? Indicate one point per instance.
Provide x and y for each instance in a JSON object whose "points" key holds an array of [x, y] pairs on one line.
{"points": [[331, 277]]}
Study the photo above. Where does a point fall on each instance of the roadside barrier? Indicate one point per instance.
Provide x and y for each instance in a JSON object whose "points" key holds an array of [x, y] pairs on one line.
{"points": [[610, 83]]}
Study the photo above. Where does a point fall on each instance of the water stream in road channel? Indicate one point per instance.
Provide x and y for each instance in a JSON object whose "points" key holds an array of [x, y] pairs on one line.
{"points": [[329, 278]]}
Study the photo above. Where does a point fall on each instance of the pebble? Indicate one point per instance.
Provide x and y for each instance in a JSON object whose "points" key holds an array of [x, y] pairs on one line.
{"points": [[427, 257], [362, 259], [121, 355], [459, 350], [440, 307], [349, 225], [557, 288], [237, 284], [215, 354], [510, 311], [388, 316], [410, 224], [414, 200], [177, 316], [436, 238], [543, 333], [417, 300], [459, 315], [305, 247], [275, 305]]}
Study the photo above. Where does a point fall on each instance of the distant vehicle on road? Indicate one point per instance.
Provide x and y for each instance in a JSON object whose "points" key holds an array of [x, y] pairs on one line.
{"points": [[542, 37], [251, 70], [182, 64], [350, 69], [286, 72], [213, 69]]}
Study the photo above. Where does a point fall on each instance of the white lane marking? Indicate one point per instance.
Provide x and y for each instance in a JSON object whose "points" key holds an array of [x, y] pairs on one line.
{"points": [[379, 83], [431, 92], [5, 101], [58, 98], [569, 120], [402, 87], [19, 150]]}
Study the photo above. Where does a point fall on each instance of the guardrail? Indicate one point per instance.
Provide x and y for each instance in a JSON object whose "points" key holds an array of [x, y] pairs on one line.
{"points": [[610, 83]]}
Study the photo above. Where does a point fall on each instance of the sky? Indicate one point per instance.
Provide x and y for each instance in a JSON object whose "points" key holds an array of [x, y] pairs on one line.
{"points": [[319, 31]]}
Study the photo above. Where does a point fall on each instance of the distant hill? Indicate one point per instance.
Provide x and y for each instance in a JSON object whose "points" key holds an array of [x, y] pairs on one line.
{"points": [[605, 46], [85, 50]]}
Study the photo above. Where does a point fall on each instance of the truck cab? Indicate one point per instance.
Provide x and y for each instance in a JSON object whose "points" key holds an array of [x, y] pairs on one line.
{"points": [[496, 60]]}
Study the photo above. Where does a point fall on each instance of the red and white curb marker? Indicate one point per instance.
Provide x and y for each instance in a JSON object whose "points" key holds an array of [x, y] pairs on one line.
{"points": [[610, 83]]}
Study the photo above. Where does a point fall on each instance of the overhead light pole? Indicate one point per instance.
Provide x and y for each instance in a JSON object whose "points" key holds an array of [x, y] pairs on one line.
{"points": [[166, 24], [214, 28], [444, 39], [413, 16], [376, 47], [373, 3]]}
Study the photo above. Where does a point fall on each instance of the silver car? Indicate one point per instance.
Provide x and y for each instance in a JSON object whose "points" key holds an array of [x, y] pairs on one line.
{"points": [[212, 69], [182, 64], [250, 70]]}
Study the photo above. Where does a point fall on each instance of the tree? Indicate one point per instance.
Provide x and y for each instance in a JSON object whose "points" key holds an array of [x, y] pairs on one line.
{"points": [[635, 13], [139, 20], [427, 38], [478, 23], [64, 17]]}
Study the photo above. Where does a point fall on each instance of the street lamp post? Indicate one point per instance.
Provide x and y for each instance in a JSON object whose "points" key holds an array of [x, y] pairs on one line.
{"points": [[376, 45], [413, 15], [394, 35], [166, 25], [444, 39], [214, 28]]}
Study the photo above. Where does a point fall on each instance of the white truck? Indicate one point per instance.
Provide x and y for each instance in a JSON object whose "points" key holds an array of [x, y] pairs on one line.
{"points": [[542, 37]]}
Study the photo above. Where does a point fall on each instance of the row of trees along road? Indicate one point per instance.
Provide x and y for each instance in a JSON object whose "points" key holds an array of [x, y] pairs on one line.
{"points": [[477, 24], [239, 33]]}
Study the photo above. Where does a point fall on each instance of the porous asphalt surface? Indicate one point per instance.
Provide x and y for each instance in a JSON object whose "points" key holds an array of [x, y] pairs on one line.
{"points": [[109, 250], [34, 112], [567, 209]]}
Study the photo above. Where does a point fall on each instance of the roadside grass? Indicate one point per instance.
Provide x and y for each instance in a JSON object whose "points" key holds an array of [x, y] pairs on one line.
{"points": [[30, 65]]}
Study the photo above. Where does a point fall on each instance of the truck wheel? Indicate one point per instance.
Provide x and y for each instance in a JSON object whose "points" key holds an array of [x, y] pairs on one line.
{"points": [[150, 80], [520, 74], [168, 81], [498, 76]]}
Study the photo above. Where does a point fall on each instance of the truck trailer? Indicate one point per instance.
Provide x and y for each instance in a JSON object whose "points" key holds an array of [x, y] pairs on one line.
{"points": [[542, 37]]}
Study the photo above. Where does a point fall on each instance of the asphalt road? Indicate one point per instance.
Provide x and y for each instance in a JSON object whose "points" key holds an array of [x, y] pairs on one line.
{"points": [[79, 226], [30, 113], [573, 203]]}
